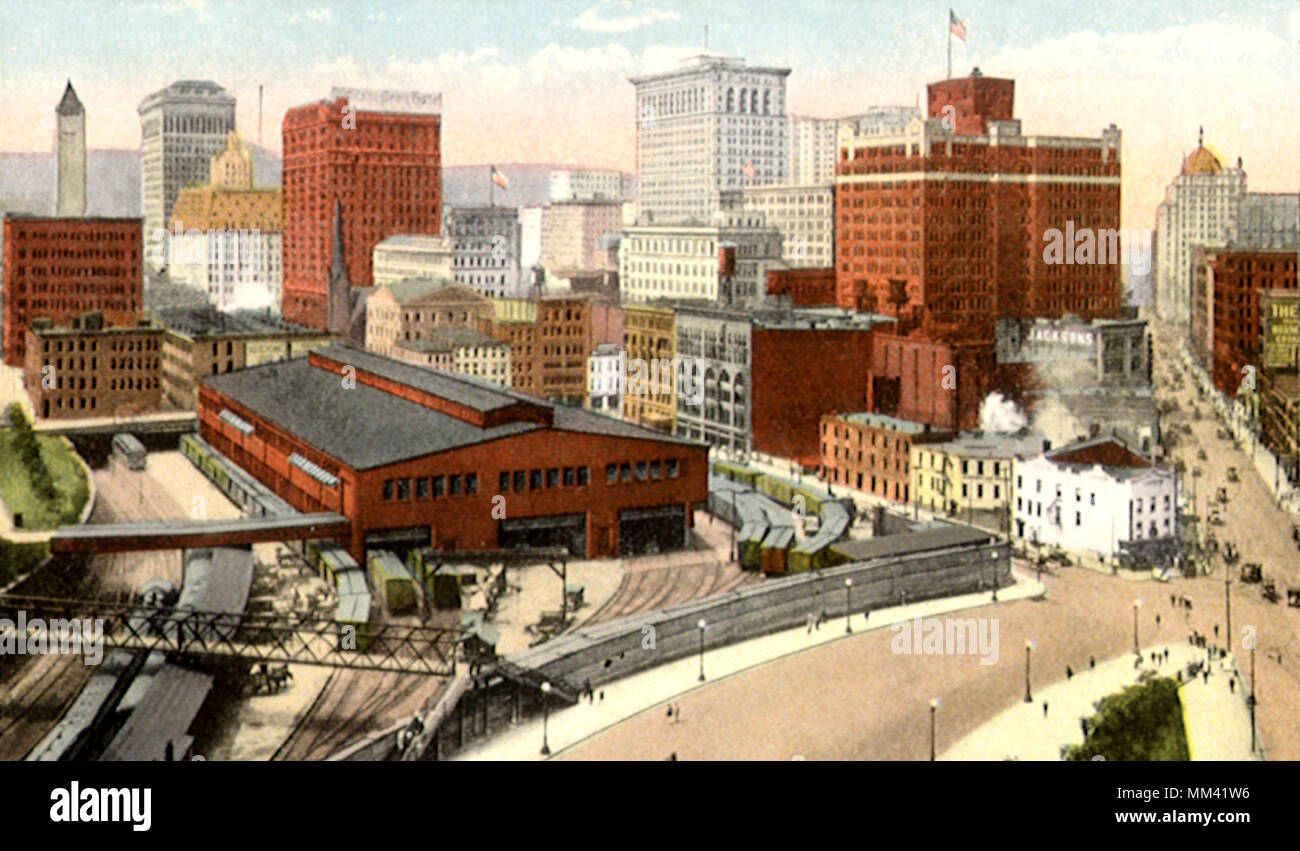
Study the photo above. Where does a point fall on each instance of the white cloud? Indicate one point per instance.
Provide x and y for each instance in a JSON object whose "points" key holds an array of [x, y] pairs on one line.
{"points": [[591, 19]]}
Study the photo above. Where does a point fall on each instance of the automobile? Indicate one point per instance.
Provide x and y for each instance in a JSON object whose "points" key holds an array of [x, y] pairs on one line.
{"points": [[1201, 456], [1252, 572], [1221, 495], [1232, 475]]}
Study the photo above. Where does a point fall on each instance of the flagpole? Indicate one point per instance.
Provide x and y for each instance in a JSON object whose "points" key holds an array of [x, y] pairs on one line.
{"points": [[950, 44], [491, 193]]}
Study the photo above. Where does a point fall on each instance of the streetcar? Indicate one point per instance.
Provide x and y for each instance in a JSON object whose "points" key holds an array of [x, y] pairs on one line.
{"points": [[128, 448]]}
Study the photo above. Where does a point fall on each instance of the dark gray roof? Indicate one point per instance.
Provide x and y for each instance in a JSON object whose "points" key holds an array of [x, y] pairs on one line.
{"points": [[365, 428], [165, 714], [950, 535]]}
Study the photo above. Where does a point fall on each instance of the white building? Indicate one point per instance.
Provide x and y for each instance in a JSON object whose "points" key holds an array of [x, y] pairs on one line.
{"points": [[238, 269], [805, 216], [530, 236], [572, 231], [813, 149], [486, 243], [1200, 207], [686, 260], [711, 125], [460, 350], [412, 256], [605, 372], [181, 128], [1101, 510], [584, 184]]}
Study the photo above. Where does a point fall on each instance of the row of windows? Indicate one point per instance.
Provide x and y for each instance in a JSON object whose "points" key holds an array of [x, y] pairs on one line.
{"points": [[644, 470], [427, 487]]}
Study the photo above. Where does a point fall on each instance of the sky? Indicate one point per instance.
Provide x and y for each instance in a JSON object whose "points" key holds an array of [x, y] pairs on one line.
{"points": [[537, 81]]}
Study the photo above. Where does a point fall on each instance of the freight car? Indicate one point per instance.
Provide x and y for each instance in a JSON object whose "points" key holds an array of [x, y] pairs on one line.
{"points": [[392, 582], [353, 620]]}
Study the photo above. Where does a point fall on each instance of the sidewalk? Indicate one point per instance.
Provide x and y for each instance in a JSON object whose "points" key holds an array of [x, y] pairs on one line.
{"points": [[1216, 720], [635, 694]]}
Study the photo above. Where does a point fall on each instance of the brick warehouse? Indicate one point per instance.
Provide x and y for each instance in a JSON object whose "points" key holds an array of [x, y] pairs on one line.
{"points": [[1239, 277], [385, 169], [416, 457], [59, 268]]}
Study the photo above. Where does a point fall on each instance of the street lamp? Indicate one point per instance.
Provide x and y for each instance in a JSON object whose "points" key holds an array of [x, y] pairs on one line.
{"points": [[1029, 646], [934, 705], [701, 625], [546, 716], [1252, 694], [848, 604], [1227, 603], [1137, 604], [993, 557]]}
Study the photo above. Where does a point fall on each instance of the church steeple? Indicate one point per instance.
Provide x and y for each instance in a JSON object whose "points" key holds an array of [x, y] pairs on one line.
{"points": [[70, 152], [339, 286], [71, 104]]}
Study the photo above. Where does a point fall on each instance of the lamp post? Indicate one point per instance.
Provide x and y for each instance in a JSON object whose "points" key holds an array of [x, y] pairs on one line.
{"points": [[1252, 694], [1137, 604], [993, 557], [1227, 603], [934, 705], [1029, 646], [701, 625], [848, 604], [546, 716]]}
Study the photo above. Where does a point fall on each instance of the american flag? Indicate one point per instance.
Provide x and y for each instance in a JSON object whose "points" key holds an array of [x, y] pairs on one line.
{"points": [[956, 26], [749, 169], [498, 178]]}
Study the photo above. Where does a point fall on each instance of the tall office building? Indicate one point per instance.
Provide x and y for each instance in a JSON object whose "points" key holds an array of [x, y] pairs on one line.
{"points": [[71, 155], [1200, 207], [181, 128], [711, 125], [943, 224], [376, 155], [485, 250], [812, 149]]}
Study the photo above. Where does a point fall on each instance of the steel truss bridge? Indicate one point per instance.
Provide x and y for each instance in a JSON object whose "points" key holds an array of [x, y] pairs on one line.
{"points": [[251, 637]]}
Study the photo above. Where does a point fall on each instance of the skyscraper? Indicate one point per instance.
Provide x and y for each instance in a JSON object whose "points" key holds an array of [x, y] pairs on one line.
{"points": [[713, 124], [942, 224], [71, 155], [368, 160], [181, 128]]}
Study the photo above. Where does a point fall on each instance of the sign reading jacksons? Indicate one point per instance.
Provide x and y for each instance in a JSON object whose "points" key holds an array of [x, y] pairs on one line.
{"points": [[389, 100]]}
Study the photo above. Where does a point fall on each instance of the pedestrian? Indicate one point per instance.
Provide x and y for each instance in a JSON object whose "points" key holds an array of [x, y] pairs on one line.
{"points": [[1092, 663], [1171, 601], [1068, 672], [1205, 676], [1083, 723], [672, 757], [670, 713], [1044, 709], [677, 713], [602, 695], [1157, 620], [1166, 654], [1232, 685], [1216, 630], [809, 620]]}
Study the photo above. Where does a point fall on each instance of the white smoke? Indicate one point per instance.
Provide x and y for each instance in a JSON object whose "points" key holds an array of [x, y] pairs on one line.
{"points": [[1000, 414]]}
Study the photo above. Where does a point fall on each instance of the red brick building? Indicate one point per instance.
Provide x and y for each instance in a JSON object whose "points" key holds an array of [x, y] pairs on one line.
{"points": [[58, 268], [1239, 279], [87, 369], [931, 382], [415, 457], [799, 374], [384, 168], [872, 452], [806, 287], [944, 228]]}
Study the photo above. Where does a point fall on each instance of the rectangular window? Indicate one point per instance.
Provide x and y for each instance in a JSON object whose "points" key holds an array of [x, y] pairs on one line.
{"points": [[642, 470], [519, 480], [568, 476], [670, 468], [584, 475], [453, 485], [471, 483], [553, 477], [656, 470], [439, 485], [505, 482], [388, 489], [535, 480], [422, 488], [403, 488], [625, 471], [611, 473]]}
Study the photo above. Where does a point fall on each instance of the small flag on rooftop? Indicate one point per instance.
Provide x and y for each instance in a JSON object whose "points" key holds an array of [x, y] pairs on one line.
{"points": [[956, 26], [498, 178], [749, 169]]}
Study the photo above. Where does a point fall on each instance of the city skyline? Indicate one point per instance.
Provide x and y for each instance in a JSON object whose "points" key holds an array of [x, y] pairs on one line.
{"points": [[555, 78]]}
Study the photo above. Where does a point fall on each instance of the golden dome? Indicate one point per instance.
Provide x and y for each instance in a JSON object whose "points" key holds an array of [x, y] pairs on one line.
{"points": [[1203, 160]]}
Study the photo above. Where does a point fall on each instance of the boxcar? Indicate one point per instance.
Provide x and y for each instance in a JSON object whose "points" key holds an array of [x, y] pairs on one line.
{"points": [[392, 582], [350, 582], [128, 448], [354, 611]]}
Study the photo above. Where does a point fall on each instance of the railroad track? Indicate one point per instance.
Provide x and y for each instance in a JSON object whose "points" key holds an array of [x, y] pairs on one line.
{"points": [[659, 587], [341, 715]]}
